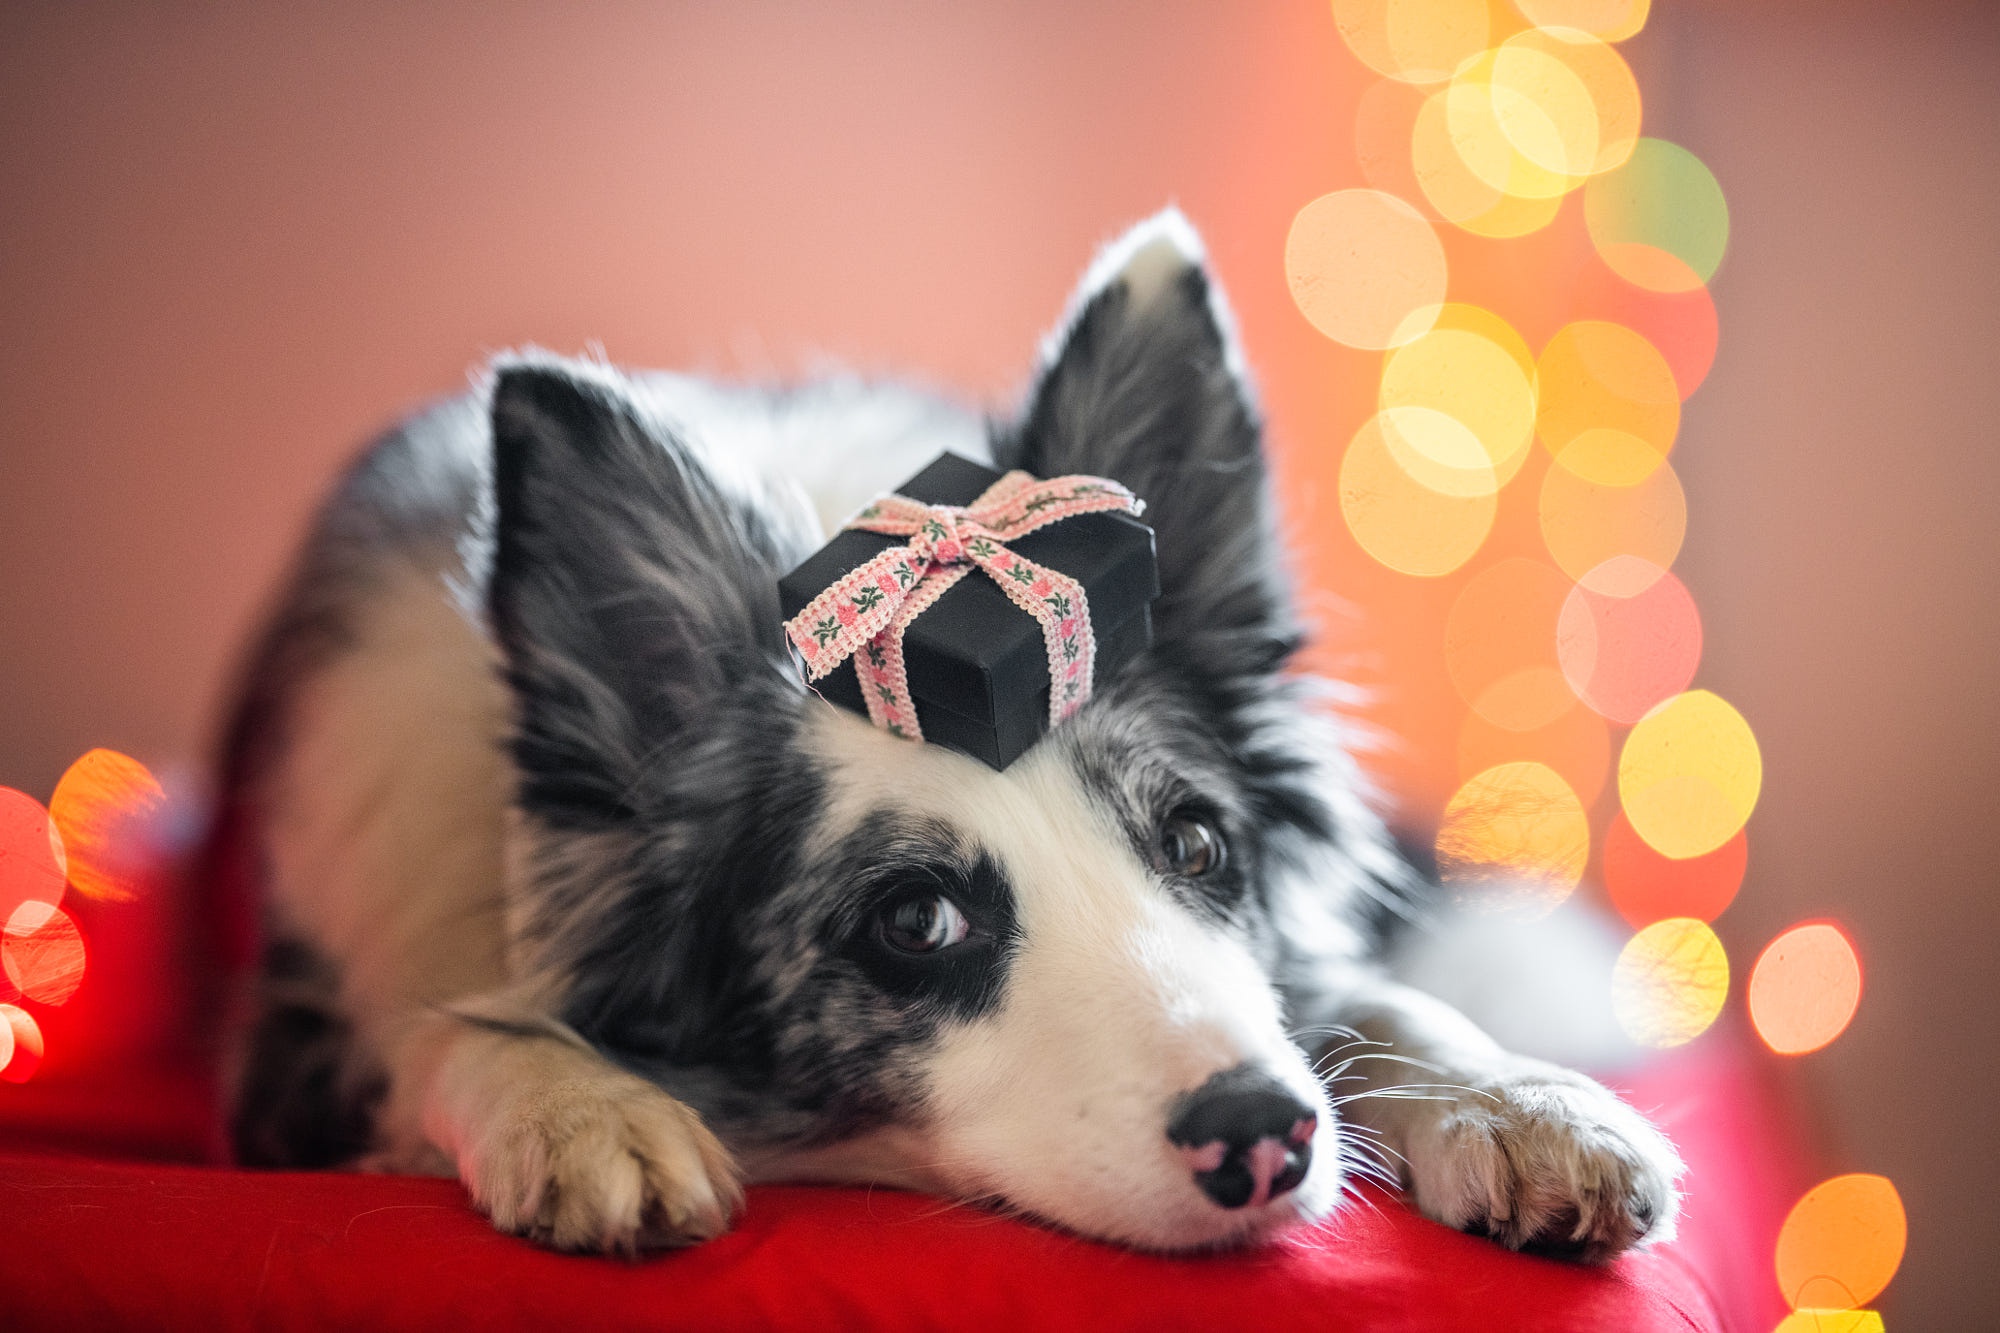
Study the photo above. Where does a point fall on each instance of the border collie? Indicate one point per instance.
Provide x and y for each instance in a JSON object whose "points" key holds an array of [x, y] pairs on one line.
{"points": [[574, 890]]}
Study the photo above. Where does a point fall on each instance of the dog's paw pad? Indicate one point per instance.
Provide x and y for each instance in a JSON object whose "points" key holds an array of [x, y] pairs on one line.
{"points": [[607, 1164], [1549, 1162]]}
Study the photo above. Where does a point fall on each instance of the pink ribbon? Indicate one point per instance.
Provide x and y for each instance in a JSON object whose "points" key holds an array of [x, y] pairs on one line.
{"points": [[863, 616]]}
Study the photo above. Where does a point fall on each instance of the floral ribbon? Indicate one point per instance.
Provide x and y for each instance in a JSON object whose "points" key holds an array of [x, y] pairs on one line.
{"points": [[864, 614]]}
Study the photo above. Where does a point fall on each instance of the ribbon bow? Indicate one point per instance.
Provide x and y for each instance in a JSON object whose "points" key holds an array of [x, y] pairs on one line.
{"points": [[864, 614]]}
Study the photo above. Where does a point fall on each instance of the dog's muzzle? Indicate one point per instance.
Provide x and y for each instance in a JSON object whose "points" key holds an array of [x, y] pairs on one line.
{"points": [[1245, 1137]]}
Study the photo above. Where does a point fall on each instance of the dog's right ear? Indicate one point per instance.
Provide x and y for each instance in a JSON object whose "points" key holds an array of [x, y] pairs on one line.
{"points": [[629, 591]]}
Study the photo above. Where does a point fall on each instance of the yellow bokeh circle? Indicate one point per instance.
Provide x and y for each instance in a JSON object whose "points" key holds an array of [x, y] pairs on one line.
{"points": [[1543, 106], [1449, 184], [1689, 774], [1584, 90], [1438, 451], [1475, 379], [1403, 523], [1489, 123], [1611, 20], [1364, 267], [1596, 376], [1416, 41], [1513, 835], [1670, 982], [1831, 1321]]}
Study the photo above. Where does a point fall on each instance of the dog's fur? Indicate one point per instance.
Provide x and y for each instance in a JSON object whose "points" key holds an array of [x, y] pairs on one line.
{"points": [[574, 889]]}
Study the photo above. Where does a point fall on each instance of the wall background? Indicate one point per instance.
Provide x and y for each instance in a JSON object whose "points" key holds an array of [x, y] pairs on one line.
{"points": [[235, 240]]}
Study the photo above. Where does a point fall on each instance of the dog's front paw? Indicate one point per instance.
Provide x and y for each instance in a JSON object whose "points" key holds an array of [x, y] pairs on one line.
{"points": [[1545, 1160], [605, 1163]]}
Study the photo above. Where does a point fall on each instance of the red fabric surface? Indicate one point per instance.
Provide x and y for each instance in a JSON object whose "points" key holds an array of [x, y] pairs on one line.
{"points": [[100, 1242]]}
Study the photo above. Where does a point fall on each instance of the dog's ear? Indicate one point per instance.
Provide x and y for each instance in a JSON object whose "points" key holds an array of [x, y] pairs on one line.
{"points": [[1144, 384], [629, 591]]}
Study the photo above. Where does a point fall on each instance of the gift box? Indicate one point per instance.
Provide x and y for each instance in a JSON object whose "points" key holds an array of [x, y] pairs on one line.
{"points": [[979, 670]]}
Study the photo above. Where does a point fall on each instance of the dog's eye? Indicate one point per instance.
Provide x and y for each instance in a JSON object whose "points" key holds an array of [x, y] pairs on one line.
{"points": [[924, 925], [1190, 847]]}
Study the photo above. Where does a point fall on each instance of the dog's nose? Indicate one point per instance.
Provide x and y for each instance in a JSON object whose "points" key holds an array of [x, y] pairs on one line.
{"points": [[1245, 1136]]}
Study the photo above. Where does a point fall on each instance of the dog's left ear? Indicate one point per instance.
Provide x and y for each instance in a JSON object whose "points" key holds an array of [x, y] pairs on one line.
{"points": [[632, 593], [1144, 384]]}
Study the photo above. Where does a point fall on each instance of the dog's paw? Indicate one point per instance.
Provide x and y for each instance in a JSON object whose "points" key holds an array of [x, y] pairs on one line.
{"points": [[1545, 1160], [604, 1163]]}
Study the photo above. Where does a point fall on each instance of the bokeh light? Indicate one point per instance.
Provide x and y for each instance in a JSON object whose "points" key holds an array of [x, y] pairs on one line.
{"points": [[32, 858], [1841, 1243], [1804, 988], [1472, 368], [1681, 325], [1611, 20], [25, 1039], [1417, 41], [108, 807], [1513, 835], [1500, 644], [1453, 188], [1567, 101], [1401, 522], [1487, 124], [1608, 404], [1363, 267], [41, 952], [1624, 652], [1659, 221], [1670, 982], [1437, 451], [1586, 524], [1543, 110], [1689, 774], [1646, 887], [1576, 745], [1831, 1321]]}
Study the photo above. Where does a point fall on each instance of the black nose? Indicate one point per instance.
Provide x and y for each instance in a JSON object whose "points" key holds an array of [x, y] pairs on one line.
{"points": [[1245, 1136]]}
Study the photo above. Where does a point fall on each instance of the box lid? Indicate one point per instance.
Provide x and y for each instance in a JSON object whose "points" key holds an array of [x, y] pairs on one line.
{"points": [[974, 652]]}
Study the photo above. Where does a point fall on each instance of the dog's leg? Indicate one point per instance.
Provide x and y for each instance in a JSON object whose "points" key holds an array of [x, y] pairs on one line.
{"points": [[553, 1141], [1534, 1155]]}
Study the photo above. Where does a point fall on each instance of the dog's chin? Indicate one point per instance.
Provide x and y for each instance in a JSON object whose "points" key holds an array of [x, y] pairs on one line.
{"points": [[1177, 1218], [1206, 1229], [1183, 1222]]}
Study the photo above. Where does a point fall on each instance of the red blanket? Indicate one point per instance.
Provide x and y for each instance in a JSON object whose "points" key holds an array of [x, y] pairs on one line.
{"points": [[92, 1241]]}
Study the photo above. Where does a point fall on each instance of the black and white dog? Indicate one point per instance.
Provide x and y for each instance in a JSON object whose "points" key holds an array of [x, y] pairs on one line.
{"points": [[574, 889]]}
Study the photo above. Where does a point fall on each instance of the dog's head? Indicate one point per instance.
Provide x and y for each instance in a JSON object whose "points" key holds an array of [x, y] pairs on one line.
{"points": [[1061, 985]]}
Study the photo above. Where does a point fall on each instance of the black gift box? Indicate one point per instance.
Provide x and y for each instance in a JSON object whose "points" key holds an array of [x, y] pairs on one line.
{"points": [[978, 670]]}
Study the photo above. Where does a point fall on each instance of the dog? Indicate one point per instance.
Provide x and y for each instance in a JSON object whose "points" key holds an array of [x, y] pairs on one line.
{"points": [[571, 888]]}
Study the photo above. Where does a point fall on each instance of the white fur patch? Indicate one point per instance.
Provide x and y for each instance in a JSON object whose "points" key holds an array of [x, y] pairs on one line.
{"points": [[1118, 1001]]}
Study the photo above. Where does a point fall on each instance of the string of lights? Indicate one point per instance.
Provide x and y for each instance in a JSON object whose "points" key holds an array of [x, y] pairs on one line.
{"points": [[1570, 636]]}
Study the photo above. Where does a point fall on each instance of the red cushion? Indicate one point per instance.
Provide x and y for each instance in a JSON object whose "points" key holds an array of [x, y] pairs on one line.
{"points": [[99, 1242]]}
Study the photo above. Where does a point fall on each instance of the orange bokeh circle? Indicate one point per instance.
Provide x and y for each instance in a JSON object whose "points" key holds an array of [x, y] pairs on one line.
{"points": [[1842, 1243]]}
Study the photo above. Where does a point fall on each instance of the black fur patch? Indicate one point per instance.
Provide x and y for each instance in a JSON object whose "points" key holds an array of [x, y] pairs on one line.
{"points": [[627, 592], [305, 1098], [886, 864]]}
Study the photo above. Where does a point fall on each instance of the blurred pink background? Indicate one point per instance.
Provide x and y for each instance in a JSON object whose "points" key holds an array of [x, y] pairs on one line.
{"points": [[236, 239]]}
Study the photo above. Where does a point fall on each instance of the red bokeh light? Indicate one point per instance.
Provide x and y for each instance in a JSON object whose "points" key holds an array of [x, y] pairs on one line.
{"points": [[31, 853], [42, 954], [1646, 887], [25, 1042]]}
